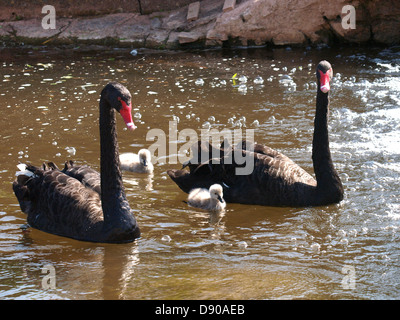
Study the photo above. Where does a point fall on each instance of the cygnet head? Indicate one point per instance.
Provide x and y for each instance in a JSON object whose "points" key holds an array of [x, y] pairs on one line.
{"points": [[144, 157], [216, 192]]}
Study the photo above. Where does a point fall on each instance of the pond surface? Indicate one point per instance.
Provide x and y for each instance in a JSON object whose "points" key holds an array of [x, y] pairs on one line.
{"points": [[49, 103]]}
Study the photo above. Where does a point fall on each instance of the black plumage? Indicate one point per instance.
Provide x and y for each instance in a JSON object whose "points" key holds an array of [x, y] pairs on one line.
{"points": [[275, 179], [78, 202]]}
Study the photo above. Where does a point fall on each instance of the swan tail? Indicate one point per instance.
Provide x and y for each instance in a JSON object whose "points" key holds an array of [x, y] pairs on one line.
{"points": [[21, 186]]}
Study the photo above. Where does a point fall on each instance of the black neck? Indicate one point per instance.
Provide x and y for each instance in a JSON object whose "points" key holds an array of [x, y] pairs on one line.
{"points": [[327, 178], [112, 190]]}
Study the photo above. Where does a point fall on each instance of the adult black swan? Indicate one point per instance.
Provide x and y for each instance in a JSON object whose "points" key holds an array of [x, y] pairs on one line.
{"points": [[70, 202], [275, 180]]}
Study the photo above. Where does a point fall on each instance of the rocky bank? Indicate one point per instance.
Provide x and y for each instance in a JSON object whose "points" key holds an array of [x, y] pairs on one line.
{"points": [[250, 22]]}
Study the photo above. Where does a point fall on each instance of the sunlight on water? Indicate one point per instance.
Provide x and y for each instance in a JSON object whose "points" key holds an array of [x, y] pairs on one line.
{"points": [[50, 113]]}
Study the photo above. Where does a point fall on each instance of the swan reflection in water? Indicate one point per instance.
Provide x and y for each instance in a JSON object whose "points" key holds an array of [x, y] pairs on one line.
{"points": [[83, 269], [143, 182]]}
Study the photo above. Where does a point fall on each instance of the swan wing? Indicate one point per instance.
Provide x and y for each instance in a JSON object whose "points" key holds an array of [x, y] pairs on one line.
{"points": [[89, 177], [58, 204], [274, 180]]}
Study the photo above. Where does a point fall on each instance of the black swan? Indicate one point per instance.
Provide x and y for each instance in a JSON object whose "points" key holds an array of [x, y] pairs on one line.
{"points": [[275, 180], [70, 202]]}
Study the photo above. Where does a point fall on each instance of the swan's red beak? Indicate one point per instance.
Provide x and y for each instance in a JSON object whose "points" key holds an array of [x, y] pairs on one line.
{"points": [[324, 79], [126, 113]]}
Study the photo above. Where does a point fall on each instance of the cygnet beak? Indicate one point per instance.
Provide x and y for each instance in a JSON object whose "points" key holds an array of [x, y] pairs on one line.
{"points": [[220, 199]]}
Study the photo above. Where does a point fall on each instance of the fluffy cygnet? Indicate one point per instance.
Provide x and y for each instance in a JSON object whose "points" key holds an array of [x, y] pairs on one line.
{"points": [[211, 199], [140, 162]]}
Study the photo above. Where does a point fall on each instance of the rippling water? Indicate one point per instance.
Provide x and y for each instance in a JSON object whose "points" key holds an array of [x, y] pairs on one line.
{"points": [[49, 103]]}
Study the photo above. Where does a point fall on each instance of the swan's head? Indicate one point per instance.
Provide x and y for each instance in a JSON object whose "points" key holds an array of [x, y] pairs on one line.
{"points": [[216, 192], [144, 157], [119, 98], [324, 75]]}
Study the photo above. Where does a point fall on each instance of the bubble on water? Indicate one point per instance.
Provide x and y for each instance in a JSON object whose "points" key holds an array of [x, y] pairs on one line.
{"points": [[206, 125], [242, 79], [166, 238], [258, 80], [242, 244], [199, 82], [242, 89], [71, 150], [315, 247], [341, 233], [353, 233], [238, 124]]}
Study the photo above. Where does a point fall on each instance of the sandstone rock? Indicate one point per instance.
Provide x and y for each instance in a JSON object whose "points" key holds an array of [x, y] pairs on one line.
{"points": [[280, 22], [188, 37], [193, 11], [229, 5]]}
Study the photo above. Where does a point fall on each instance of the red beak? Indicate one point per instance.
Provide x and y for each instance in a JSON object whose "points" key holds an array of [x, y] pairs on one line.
{"points": [[126, 113], [324, 81]]}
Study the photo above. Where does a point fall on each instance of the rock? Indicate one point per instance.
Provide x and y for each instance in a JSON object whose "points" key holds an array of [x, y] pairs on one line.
{"points": [[248, 22], [193, 11], [188, 37], [229, 5]]}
